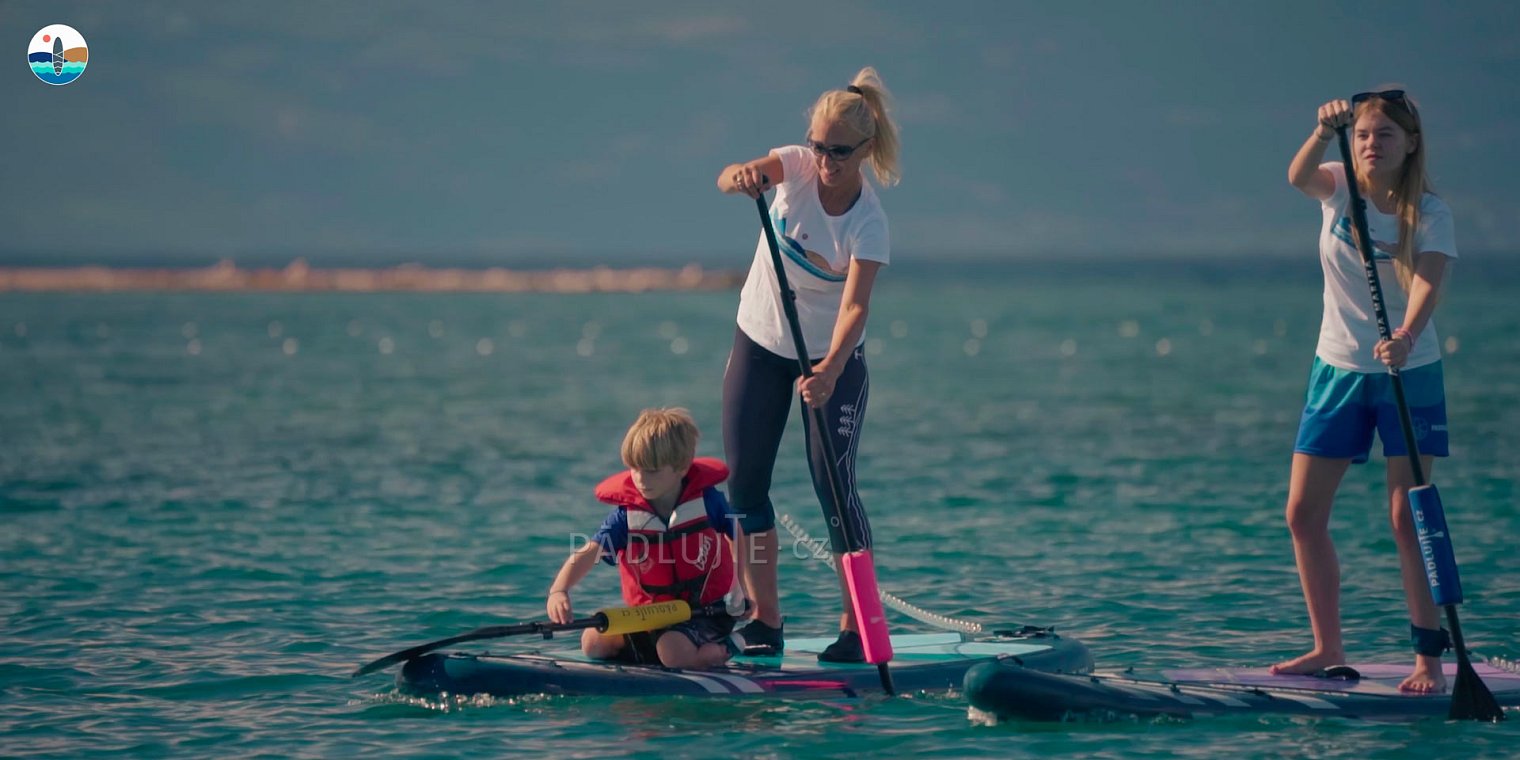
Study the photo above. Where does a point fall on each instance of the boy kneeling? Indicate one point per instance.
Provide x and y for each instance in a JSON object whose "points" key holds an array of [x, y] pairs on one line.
{"points": [[660, 554]]}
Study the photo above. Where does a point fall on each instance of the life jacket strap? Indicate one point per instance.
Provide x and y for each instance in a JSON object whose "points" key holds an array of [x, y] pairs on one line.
{"points": [[686, 529], [688, 589]]}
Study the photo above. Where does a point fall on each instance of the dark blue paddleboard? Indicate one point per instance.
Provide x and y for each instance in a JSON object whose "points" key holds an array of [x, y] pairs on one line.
{"points": [[1007, 690], [936, 661]]}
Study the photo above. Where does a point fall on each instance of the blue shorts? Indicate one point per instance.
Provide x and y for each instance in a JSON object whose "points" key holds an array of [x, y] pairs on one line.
{"points": [[1343, 407]]}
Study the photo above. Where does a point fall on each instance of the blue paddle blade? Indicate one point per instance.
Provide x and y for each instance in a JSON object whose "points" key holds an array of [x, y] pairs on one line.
{"points": [[1435, 545]]}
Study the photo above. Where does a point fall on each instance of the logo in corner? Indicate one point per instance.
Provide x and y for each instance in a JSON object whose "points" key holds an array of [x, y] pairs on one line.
{"points": [[58, 54]]}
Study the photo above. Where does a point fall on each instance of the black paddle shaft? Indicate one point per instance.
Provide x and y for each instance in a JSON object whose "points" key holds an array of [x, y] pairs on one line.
{"points": [[547, 630], [804, 362], [1364, 246], [599, 621], [1471, 698]]}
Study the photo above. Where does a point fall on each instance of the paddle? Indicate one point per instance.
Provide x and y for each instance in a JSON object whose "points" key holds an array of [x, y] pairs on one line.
{"points": [[612, 620], [1470, 697], [859, 567]]}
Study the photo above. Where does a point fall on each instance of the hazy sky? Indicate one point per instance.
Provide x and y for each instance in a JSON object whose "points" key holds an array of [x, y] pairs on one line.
{"points": [[536, 133]]}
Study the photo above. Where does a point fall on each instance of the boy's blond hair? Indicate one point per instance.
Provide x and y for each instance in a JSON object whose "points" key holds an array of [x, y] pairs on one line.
{"points": [[661, 438]]}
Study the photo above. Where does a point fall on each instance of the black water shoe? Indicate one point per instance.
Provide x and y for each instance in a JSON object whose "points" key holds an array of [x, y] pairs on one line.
{"points": [[847, 648], [761, 640]]}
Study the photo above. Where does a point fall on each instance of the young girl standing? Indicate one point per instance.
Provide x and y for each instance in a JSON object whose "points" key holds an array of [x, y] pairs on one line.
{"points": [[1349, 392]]}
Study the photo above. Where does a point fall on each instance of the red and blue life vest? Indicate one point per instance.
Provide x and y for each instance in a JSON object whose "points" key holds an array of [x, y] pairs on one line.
{"points": [[686, 558]]}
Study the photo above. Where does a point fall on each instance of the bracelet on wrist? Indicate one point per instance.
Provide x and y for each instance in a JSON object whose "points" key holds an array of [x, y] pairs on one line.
{"points": [[554, 591]]}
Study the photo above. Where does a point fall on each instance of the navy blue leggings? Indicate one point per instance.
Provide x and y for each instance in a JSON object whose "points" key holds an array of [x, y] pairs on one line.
{"points": [[758, 387]]}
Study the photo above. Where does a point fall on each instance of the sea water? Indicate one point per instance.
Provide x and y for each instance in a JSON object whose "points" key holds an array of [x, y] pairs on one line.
{"points": [[215, 506]]}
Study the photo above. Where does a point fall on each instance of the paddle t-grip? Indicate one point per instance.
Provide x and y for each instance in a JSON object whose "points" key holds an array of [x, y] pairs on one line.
{"points": [[1435, 545], [860, 575]]}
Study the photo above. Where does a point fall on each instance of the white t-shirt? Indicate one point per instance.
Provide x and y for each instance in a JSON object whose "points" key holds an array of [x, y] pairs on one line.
{"points": [[1348, 330], [816, 250]]}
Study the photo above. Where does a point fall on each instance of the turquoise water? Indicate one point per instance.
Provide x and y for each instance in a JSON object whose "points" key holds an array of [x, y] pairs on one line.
{"points": [[217, 505]]}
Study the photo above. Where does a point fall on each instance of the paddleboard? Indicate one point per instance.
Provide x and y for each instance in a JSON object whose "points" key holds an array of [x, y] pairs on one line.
{"points": [[1008, 690], [921, 662]]}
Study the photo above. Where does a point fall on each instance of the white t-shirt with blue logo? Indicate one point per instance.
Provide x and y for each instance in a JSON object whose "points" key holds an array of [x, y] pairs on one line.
{"points": [[1348, 330], [816, 250]]}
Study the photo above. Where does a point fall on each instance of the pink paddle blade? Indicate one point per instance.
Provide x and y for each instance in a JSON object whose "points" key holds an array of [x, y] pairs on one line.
{"points": [[860, 576]]}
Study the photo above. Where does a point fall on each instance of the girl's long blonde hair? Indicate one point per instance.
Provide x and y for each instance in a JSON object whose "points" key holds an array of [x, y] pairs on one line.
{"points": [[868, 113], [1412, 184]]}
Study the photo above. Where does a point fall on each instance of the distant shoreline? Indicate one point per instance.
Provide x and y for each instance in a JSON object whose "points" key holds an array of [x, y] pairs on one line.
{"points": [[298, 276]]}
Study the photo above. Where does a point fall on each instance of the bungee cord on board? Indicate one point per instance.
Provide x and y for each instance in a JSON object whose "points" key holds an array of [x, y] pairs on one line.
{"points": [[822, 553]]}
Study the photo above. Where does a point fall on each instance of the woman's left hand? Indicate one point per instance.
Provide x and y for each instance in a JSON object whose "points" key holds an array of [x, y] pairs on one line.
{"points": [[817, 389], [1394, 353]]}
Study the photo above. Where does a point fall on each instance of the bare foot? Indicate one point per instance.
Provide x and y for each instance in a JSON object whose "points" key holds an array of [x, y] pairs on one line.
{"points": [[1312, 662], [1427, 677]]}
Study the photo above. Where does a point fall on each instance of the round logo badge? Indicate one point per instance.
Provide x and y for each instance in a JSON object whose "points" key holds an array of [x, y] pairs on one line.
{"points": [[58, 54]]}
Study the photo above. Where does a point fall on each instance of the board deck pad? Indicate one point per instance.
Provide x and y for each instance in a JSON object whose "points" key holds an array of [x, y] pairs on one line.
{"points": [[1377, 678], [1007, 690], [802, 654]]}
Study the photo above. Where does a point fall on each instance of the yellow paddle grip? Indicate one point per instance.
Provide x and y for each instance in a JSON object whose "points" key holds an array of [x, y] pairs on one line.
{"points": [[646, 617]]}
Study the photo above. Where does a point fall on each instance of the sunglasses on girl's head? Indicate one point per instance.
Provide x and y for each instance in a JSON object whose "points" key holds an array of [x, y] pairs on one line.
{"points": [[836, 152], [1396, 96]]}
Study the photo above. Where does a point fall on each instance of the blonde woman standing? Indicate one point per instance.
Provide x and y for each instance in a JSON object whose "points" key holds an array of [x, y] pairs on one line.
{"points": [[833, 236]]}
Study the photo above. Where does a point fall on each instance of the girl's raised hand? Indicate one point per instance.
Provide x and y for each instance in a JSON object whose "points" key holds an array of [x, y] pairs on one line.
{"points": [[1335, 114]]}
